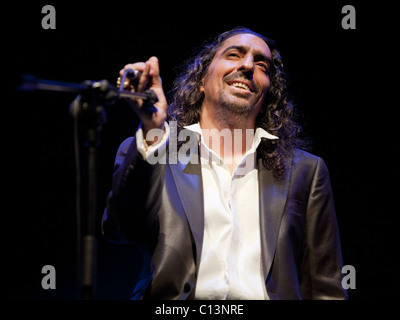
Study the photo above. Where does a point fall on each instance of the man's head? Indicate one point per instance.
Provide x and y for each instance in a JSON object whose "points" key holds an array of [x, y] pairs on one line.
{"points": [[238, 77], [213, 75], [189, 89]]}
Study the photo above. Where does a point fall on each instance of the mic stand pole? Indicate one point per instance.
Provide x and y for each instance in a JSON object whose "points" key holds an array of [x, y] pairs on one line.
{"points": [[89, 112]]}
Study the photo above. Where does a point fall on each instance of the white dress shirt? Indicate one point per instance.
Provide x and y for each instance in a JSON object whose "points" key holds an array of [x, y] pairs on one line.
{"points": [[230, 263]]}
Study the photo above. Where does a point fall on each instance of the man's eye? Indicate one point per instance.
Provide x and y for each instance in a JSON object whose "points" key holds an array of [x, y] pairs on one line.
{"points": [[233, 54], [264, 67]]}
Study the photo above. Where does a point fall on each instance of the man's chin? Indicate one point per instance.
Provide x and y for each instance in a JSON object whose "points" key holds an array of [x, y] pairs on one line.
{"points": [[236, 103]]}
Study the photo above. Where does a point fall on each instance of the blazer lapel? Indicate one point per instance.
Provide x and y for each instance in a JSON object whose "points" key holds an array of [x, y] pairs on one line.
{"points": [[272, 202], [272, 193], [189, 183]]}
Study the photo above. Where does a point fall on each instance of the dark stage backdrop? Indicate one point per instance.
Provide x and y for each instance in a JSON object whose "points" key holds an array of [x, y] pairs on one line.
{"points": [[339, 80]]}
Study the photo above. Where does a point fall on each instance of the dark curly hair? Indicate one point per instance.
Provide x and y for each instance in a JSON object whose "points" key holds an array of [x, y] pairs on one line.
{"points": [[276, 116]]}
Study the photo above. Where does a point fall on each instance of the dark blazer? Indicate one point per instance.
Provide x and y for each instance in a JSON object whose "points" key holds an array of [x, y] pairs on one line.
{"points": [[160, 207]]}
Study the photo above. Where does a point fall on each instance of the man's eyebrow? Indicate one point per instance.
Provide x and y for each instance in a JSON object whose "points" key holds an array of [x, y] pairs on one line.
{"points": [[258, 56], [241, 49]]}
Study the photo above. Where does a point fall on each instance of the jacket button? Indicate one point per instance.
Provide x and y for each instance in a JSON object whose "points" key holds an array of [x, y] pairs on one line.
{"points": [[187, 287]]}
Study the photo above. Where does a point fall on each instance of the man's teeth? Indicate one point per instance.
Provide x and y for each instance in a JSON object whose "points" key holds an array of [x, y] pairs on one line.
{"points": [[240, 85]]}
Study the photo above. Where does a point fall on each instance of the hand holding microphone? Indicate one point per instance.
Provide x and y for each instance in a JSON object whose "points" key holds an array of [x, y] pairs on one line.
{"points": [[129, 79], [140, 77]]}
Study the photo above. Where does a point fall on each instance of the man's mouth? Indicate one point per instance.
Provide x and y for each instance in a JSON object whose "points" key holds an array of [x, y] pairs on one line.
{"points": [[241, 85]]}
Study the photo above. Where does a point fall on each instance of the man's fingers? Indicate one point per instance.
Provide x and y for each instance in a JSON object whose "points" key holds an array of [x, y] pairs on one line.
{"points": [[155, 72], [138, 66], [149, 79], [150, 76], [144, 78]]}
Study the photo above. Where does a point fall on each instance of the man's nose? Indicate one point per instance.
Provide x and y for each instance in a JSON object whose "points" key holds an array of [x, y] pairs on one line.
{"points": [[247, 64]]}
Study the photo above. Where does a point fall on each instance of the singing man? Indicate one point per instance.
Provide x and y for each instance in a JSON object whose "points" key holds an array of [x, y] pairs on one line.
{"points": [[248, 214]]}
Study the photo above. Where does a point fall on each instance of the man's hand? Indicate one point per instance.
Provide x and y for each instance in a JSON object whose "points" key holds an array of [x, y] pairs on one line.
{"points": [[150, 79]]}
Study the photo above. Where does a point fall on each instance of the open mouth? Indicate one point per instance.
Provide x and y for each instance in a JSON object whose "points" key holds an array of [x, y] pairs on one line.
{"points": [[240, 85]]}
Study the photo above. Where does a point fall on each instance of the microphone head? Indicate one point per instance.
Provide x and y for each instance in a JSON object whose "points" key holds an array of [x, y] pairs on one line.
{"points": [[133, 74]]}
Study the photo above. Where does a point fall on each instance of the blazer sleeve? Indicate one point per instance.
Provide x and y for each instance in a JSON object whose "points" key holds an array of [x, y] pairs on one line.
{"points": [[322, 260], [134, 200]]}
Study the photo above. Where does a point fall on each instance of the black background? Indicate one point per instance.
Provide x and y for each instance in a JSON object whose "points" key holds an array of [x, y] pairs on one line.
{"points": [[340, 81]]}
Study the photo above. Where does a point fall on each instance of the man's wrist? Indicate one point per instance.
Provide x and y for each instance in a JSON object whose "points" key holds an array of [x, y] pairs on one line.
{"points": [[153, 139]]}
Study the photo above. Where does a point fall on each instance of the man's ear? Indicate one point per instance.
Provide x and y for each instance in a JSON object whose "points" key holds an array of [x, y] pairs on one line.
{"points": [[202, 85]]}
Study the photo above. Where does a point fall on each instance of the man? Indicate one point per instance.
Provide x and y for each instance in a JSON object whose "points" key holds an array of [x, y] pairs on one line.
{"points": [[247, 215]]}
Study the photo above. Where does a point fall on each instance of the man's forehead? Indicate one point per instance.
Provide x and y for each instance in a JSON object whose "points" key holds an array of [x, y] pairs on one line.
{"points": [[249, 41]]}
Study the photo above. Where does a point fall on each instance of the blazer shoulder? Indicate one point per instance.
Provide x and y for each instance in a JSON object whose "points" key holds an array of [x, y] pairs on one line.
{"points": [[310, 162], [301, 157], [124, 146], [123, 150]]}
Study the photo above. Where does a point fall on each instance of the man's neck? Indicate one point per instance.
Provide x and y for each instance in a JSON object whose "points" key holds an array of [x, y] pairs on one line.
{"points": [[215, 127], [218, 118]]}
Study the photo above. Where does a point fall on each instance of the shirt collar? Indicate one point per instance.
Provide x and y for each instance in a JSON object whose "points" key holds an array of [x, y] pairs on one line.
{"points": [[260, 133], [195, 127]]}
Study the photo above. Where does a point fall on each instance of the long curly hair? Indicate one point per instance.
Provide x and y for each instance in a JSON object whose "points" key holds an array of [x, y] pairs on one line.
{"points": [[276, 116]]}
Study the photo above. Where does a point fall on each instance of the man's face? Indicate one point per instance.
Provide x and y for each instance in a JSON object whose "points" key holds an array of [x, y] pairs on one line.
{"points": [[238, 76]]}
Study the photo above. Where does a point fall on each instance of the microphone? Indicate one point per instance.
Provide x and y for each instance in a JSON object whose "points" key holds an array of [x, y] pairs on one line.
{"points": [[129, 78], [149, 97], [133, 74]]}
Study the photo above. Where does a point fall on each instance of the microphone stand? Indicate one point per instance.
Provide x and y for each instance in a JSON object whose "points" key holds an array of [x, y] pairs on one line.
{"points": [[88, 110]]}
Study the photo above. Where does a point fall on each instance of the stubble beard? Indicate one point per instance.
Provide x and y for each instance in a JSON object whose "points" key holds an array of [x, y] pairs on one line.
{"points": [[235, 103], [233, 108]]}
